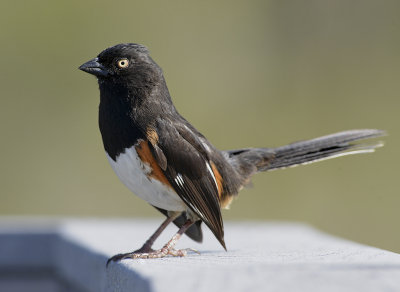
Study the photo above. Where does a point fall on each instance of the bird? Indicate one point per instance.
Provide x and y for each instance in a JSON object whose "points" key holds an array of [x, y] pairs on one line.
{"points": [[167, 162]]}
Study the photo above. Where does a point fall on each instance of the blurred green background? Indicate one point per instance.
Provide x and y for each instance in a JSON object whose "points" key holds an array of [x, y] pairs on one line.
{"points": [[245, 73]]}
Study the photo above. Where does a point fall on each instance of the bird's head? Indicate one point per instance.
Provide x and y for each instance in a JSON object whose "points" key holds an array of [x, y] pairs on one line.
{"points": [[124, 64]]}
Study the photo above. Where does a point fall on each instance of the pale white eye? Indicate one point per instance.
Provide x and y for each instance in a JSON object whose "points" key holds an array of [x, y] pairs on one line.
{"points": [[123, 63]]}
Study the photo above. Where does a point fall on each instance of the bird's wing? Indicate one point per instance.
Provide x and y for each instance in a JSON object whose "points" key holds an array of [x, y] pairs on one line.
{"points": [[186, 165]]}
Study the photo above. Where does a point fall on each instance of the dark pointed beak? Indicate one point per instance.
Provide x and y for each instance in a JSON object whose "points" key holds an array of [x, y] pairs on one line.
{"points": [[94, 67]]}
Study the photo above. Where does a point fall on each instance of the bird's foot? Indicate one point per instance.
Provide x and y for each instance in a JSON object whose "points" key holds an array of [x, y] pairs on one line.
{"points": [[153, 254], [145, 252]]}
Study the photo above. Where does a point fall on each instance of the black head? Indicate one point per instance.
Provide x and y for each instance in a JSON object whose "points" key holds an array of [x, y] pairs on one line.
{"points": [[124, 63]]}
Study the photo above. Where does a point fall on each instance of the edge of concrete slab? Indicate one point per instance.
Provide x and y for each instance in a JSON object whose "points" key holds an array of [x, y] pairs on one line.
{"points": [[262, 256]]}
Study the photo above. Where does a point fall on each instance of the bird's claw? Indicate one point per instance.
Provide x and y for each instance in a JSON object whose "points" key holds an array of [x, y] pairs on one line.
{"points": [[152, 254]]}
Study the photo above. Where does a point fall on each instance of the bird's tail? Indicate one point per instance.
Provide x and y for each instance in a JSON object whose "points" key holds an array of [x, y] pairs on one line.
{"points": [[252, 160]]}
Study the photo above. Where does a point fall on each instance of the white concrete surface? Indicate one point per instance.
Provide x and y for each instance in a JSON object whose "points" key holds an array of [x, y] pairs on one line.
{"points": [[70, 255]]}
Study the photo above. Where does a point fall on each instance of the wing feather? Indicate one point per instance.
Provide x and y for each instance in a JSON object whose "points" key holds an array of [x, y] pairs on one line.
{"points": [[188, 171]]}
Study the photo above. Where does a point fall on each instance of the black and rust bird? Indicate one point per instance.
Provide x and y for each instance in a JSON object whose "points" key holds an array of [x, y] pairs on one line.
{"points": [[164, 160]]}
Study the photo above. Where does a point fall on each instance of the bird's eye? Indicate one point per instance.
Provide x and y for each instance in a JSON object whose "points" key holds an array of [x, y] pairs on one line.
{"points": [[123, 63]]}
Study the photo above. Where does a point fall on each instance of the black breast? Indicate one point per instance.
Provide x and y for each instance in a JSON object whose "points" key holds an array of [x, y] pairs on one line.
{"points": [[117, 127]]}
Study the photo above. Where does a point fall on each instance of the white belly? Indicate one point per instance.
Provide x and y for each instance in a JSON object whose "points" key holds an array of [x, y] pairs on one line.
{"points": [[132, 172]]}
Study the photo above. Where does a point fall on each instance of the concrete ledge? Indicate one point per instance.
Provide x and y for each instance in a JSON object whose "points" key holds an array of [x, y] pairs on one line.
{"points": [[70, 255]]}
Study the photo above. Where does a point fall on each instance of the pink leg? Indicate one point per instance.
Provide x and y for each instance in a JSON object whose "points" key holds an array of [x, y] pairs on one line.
{"points": [[146, 248], [167, 249]]}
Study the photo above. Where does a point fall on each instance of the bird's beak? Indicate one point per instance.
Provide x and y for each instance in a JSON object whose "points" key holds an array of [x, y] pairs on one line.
{"points": [[94, 67]]}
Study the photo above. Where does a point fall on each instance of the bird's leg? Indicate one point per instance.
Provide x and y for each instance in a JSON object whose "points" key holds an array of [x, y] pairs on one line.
{"points": [[167, 249], [146, 248], [149, 242]]}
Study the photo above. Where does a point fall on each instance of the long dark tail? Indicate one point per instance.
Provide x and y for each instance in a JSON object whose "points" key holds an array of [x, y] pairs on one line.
{"points": [[251, 160]]}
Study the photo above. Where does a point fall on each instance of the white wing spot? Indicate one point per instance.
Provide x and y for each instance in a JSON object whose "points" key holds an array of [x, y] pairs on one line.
{"points": [[212, 174], [179, 180]]}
